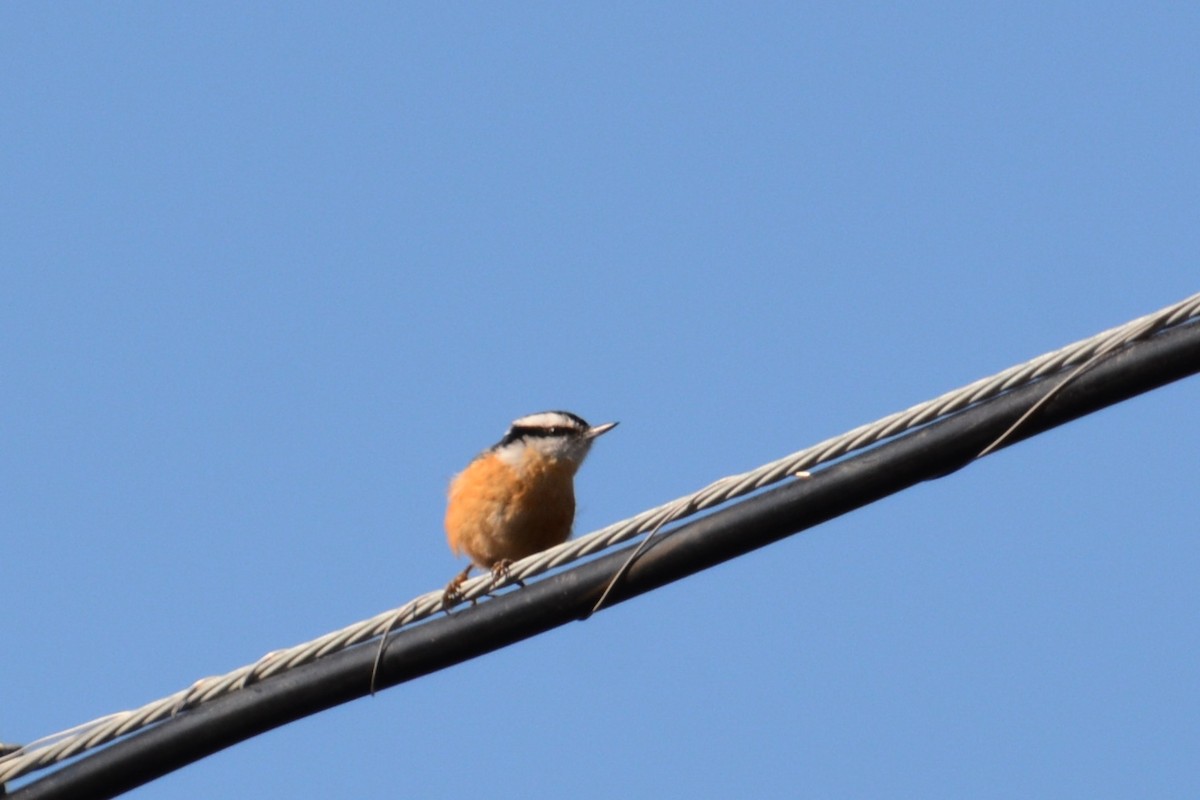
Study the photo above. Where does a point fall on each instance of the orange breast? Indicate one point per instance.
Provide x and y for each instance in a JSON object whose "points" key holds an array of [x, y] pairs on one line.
{"points": [[497, 511]]}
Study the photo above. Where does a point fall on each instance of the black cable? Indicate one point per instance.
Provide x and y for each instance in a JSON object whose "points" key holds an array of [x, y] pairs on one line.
{"points": [[931, 452]]}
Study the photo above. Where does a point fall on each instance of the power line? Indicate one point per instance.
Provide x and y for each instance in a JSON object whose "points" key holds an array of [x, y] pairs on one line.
{"points": [[923, 454]]}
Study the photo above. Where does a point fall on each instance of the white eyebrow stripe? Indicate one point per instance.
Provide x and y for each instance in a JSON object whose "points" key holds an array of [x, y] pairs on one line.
{"points": [[547, 419]]}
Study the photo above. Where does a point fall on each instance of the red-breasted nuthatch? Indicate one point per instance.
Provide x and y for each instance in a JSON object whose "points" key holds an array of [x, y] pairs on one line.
{"points": [[518, 497]]}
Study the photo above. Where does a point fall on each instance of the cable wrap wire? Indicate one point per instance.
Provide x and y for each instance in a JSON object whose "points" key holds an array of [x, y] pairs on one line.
{"points": [[67, 744]]}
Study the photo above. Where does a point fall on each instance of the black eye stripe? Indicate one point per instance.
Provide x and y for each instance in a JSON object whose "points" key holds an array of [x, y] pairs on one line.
{"points": [[518, 432], [556, 430]]}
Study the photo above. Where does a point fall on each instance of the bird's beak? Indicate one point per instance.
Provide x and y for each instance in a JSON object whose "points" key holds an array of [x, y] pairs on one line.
{"points": [[596, 430]]}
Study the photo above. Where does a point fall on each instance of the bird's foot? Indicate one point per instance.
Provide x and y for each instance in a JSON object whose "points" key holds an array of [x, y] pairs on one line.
{"points": [[453, 594], [500, 573]]}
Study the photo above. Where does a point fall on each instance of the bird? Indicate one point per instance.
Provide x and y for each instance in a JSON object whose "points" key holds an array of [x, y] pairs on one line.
{"points": [[517, 497]]}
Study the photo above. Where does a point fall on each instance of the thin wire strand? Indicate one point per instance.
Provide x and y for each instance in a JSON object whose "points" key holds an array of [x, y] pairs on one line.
{"points": [[67, 744], [1046, 398], [637, 551]]}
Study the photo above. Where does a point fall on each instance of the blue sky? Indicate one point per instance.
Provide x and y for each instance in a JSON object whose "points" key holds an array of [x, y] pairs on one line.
{"points": [[273, 273]]}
